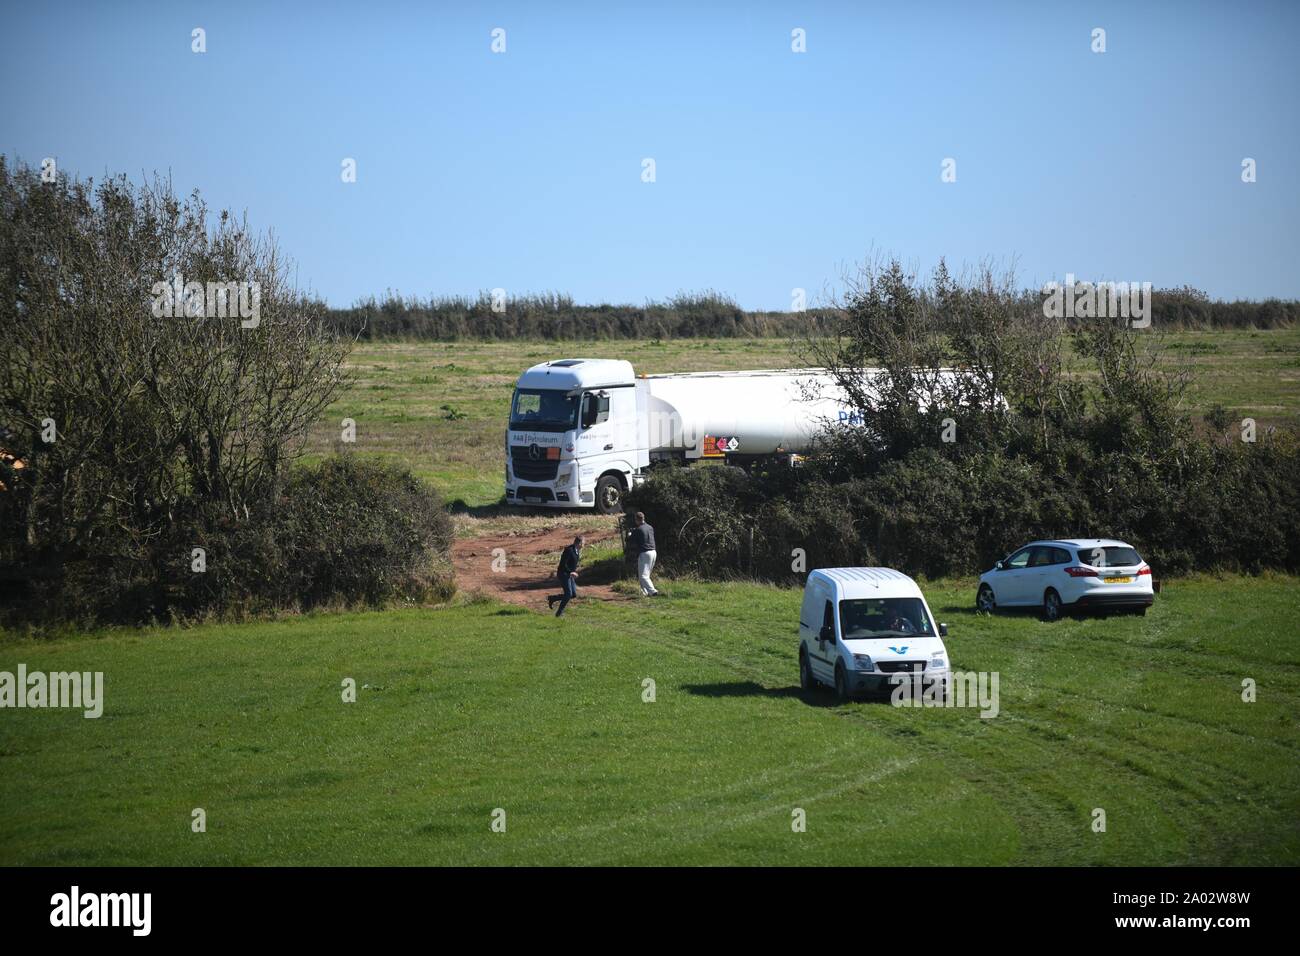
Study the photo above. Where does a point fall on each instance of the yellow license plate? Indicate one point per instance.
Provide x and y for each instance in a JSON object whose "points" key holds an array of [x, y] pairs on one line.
{"points": [[1119, 580]]}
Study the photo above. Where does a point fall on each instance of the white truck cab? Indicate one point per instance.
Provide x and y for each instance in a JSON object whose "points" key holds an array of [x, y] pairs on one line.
{"points": [[574, 437], [860, 628]]}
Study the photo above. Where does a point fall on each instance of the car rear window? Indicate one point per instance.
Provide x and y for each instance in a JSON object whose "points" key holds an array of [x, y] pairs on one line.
{"points": [[1109, 557]]}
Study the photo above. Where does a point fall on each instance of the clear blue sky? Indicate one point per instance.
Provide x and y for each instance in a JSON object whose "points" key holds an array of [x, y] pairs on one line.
{"points": [[522, 170]]}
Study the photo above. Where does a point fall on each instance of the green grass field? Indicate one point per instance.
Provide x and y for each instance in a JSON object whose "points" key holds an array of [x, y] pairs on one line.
{"points": [[441, 407], [465, 709], [471, 708]]}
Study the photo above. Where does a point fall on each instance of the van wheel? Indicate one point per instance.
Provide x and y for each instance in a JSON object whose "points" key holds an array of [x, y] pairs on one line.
{"points": [[1051, 606], [984, 599], [807, 683], [841, 683], [609, 495]]}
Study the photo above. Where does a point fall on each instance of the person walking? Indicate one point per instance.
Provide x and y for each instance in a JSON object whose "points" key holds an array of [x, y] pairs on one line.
{"points": [[641, 542], [567, 573]]}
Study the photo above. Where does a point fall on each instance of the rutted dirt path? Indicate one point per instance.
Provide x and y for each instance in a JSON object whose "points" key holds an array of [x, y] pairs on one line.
{"points": [[527, 574]]}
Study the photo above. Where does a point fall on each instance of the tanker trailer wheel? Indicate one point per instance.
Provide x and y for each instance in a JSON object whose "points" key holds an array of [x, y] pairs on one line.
{"points": [[609, 495]]}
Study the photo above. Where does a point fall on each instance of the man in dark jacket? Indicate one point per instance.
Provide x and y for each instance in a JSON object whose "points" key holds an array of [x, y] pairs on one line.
{"points": [[641, 542], [567, 573]]}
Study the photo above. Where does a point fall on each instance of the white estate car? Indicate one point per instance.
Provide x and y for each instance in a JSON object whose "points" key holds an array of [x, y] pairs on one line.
{"points": [[860, 627], [1068, 572]]}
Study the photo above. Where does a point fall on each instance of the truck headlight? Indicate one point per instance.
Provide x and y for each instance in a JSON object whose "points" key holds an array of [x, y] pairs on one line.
{"points": [[938, 663], [562, 480], [863, 662]]}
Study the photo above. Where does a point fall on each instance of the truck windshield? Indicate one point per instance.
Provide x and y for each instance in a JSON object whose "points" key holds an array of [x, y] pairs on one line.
{"points": [[544, 409], [884, 617]]}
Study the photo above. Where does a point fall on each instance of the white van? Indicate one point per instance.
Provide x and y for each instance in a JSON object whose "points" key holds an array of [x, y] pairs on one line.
{"points": [[859, 627]]}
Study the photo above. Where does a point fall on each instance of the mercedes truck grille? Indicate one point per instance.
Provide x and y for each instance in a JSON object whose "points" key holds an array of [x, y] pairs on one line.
{"points": [[527, 468]]}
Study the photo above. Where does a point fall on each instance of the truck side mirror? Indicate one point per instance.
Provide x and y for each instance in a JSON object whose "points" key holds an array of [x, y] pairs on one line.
{"points": [[827, 634], [943, 630], [588, 411]]}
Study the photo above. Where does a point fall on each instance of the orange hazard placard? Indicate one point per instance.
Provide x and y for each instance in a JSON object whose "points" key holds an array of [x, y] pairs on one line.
{"points": [[718, 447]]}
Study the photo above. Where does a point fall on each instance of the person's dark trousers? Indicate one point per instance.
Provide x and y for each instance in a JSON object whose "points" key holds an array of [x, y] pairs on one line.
{"points": [[570, 586]]}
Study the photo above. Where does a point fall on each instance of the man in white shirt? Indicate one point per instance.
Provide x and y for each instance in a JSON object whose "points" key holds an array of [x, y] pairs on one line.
{"points": [[641, 542]]}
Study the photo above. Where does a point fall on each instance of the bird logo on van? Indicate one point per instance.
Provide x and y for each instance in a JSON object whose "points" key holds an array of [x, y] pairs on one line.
{"points": [[898, 650]]}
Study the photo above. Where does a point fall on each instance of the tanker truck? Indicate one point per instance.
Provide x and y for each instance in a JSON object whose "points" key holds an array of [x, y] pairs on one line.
{"points": [[584, 431]]}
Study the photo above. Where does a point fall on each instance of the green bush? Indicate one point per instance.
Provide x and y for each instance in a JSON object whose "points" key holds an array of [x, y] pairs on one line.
{"points": [[341, 533], [717, 521], [1232, 507], [362, 532]]}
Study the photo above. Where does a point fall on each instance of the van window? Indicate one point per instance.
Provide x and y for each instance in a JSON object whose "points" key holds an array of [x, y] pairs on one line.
{"points": [[828, 615], [884, 617]]}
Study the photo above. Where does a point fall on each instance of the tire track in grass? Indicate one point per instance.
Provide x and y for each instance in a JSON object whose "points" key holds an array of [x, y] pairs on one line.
{"points": [[1050, 741], [772, 776], [1164, 765], [1049, 824], [1184, 719], [1036, 828], [1043, 740], [1046, 818], [1038, 833], [1190, 780], [768, 807], [727, 816]]}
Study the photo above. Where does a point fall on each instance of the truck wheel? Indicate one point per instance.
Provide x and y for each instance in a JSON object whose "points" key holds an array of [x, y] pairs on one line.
{"points": [[609, 495], [807, 683], [841, 683]]}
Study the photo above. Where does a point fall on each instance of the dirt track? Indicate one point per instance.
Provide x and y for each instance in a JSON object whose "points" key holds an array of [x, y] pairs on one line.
{"points": [[527, 574]]}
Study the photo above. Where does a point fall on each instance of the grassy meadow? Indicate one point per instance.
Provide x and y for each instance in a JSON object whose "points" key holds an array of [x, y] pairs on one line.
{"points": [[467, 709], [441, 407], [478, 706]]}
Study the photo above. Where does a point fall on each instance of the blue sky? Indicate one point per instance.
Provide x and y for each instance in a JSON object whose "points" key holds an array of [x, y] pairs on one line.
{"points": [[774, 170]]}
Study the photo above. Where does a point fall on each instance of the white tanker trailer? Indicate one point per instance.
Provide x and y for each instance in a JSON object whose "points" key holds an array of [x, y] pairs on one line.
{"points": [[583, 431]]}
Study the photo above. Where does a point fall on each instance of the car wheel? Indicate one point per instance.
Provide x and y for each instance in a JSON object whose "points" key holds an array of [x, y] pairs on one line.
{"points": [[841, 683], [609, 495], [1051, 606], [984, 599], [807, 682]]}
